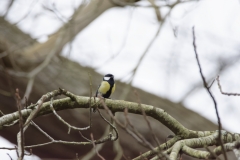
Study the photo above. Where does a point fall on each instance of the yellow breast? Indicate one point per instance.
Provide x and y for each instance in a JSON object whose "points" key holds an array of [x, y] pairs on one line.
{"points": [[104, 87]]}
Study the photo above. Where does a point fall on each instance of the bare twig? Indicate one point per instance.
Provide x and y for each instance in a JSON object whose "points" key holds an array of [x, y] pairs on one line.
{"points": [[31, 8], [77, 158], [92, 152], [94, 146], [1, 113], [123, 3], [73, 97], [118, 149], [55, 11], [30, 152], [9, 156], [90, 108], [225, 93], [134, 71], [28, 89], [163, 146], [39, 104], [31, 75], [20, 138], [8, 8], [119, 123], [146, 119], [221, 68], [210, 93], [53, 141], [143, 140], [157, 11], [124, 42], [84, 136], [11, 124], [135, 134], [113, 127], [64, 122], [43, 132], [211, 83]]}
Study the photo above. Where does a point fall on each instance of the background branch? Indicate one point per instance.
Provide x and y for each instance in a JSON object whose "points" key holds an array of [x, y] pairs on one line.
{"points": [[210, 93]]}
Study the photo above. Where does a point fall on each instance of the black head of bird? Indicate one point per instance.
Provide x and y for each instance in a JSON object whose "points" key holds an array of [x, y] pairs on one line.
{"points": [[107, 86]]}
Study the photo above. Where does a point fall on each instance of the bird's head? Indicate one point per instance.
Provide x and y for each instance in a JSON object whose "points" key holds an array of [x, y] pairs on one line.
{"points": [[108, 77]]}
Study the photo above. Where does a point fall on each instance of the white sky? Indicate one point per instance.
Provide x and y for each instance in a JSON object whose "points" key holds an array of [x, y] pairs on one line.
{"points": [[169, 69]]}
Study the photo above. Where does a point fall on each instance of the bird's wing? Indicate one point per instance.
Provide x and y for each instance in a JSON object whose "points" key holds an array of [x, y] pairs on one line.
{"points": [[114, 87]]}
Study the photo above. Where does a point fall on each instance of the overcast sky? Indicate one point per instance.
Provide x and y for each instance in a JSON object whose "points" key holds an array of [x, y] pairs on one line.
{"points": [[169, 69]]}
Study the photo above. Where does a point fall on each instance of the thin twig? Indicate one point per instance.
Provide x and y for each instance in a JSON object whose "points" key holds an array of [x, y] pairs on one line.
{"points": [[119, 123], [210, 93], [31, 8], [11, 124], [163, 146], [21, 138], [55, 12], [143, 140], [118, 149], [123, 3], [135, 69], [92, 152], [77, 158], [94, 146], [113, 127], [28, 89], [63, 121], [1, 113], [9, 156], [43, 132], [135, 134], [84, 136], [211, 83], [62, 142], [146, 119], [39, 105], [8, 8], [157, 11], [73, 97], [90, 108], [221, 68], [225, 93], [124, 42], [30, 152]]}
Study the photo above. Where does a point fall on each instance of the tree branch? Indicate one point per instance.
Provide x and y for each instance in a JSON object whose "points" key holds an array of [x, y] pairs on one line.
{"points": [[190, 138], [209, 92]]}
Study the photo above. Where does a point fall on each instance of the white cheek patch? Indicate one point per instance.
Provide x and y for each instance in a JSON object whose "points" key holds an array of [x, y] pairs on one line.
{"points": [[106, 78]]}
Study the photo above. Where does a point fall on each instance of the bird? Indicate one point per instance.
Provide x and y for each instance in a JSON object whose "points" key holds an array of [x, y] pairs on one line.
{"points": [[107, 86]]}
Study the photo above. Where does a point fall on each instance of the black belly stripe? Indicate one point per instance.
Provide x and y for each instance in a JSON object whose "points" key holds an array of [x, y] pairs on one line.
{"points": [[107, 95]]}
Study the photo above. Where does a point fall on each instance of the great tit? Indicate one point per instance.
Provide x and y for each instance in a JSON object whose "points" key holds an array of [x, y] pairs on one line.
{"points": [[107, 86]]}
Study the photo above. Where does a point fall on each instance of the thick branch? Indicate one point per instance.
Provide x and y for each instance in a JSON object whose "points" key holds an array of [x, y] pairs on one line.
{"points": [[114, 106], [83, 16]]}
